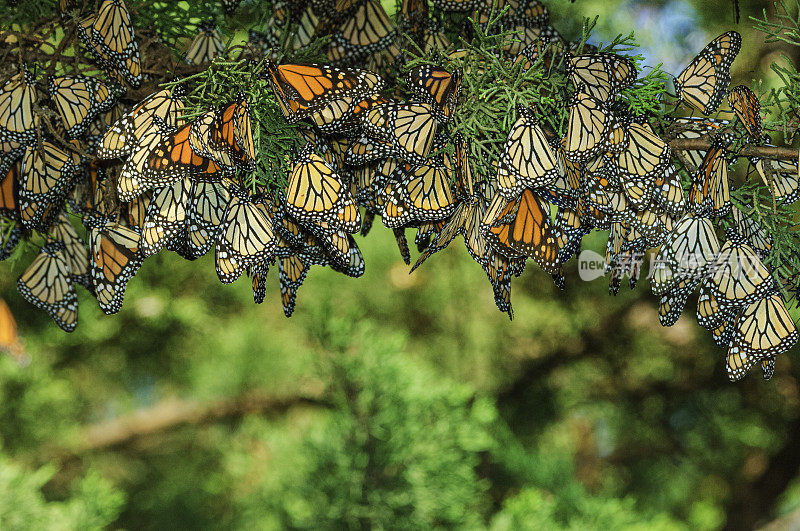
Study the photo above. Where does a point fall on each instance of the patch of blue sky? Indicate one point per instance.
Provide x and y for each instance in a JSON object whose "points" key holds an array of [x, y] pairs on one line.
{"points": [[667, 33]]}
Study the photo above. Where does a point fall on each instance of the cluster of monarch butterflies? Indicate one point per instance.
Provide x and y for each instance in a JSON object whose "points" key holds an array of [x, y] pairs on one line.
{"points": [[146, 178]]}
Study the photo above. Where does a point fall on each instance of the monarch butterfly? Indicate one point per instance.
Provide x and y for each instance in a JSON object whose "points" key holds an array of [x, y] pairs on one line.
{"points": [[18, 122], [205, 214], [784, 183], [385, 61], [530, 13], [408, 127], [670, 195], [466, 220], [10, 236], [703, 83], [9, 193], [136, 211], [617, 136], [645, 157], [686, 252], [635, 242], [369, 181], [710, 314], [79, 99], [570, 226], [368, 30], [763, 330], [292, 271], [205, 46], [127, 70], [724, 332], [367, 221], [604, 191], [572, 171], [671, 303], [47, 285], [696, 128], [166, 216], [46, 178], [710, 192], [307, 28], [201, 144], [458, 5], [245, 236], [258, 277], [425, 190], [115, 260], [649, 225], [354, 266], [437, 87], [739, 277], [269, 41], [427, 231], [336, 117], [232, 133], [89, 198], [10, 153], [617, 262], [523, 35], [75, 252], [462, 169], [173, 157], [465, 210], [523, 226], [98, 127], [527, 161], [81, 197], [113, 30], [752, 233], [335, 9], [631, 264], [134, 178], [65, 5], [768, 368], [499, 269], [413, 18], [602, 74], [395, 213], [748, 109], [336, 243], [434, 38], [365, 105], [293, 238], [316, 194], [109, 36], [303, 90], [331, 152], [545, 51], [123, 136], [533, 12], [586, 127], [365, 150]]}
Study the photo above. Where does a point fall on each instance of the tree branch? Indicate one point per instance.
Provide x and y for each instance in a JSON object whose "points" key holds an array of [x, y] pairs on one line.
{"points": [[764, 152], [173, 413]]}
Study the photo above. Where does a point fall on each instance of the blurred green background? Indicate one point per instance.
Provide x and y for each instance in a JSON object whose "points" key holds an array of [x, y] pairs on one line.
{"points": [[397, 401]]}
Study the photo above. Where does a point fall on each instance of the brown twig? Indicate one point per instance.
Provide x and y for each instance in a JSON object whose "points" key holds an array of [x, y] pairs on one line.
{"points": [[764, 152]]}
